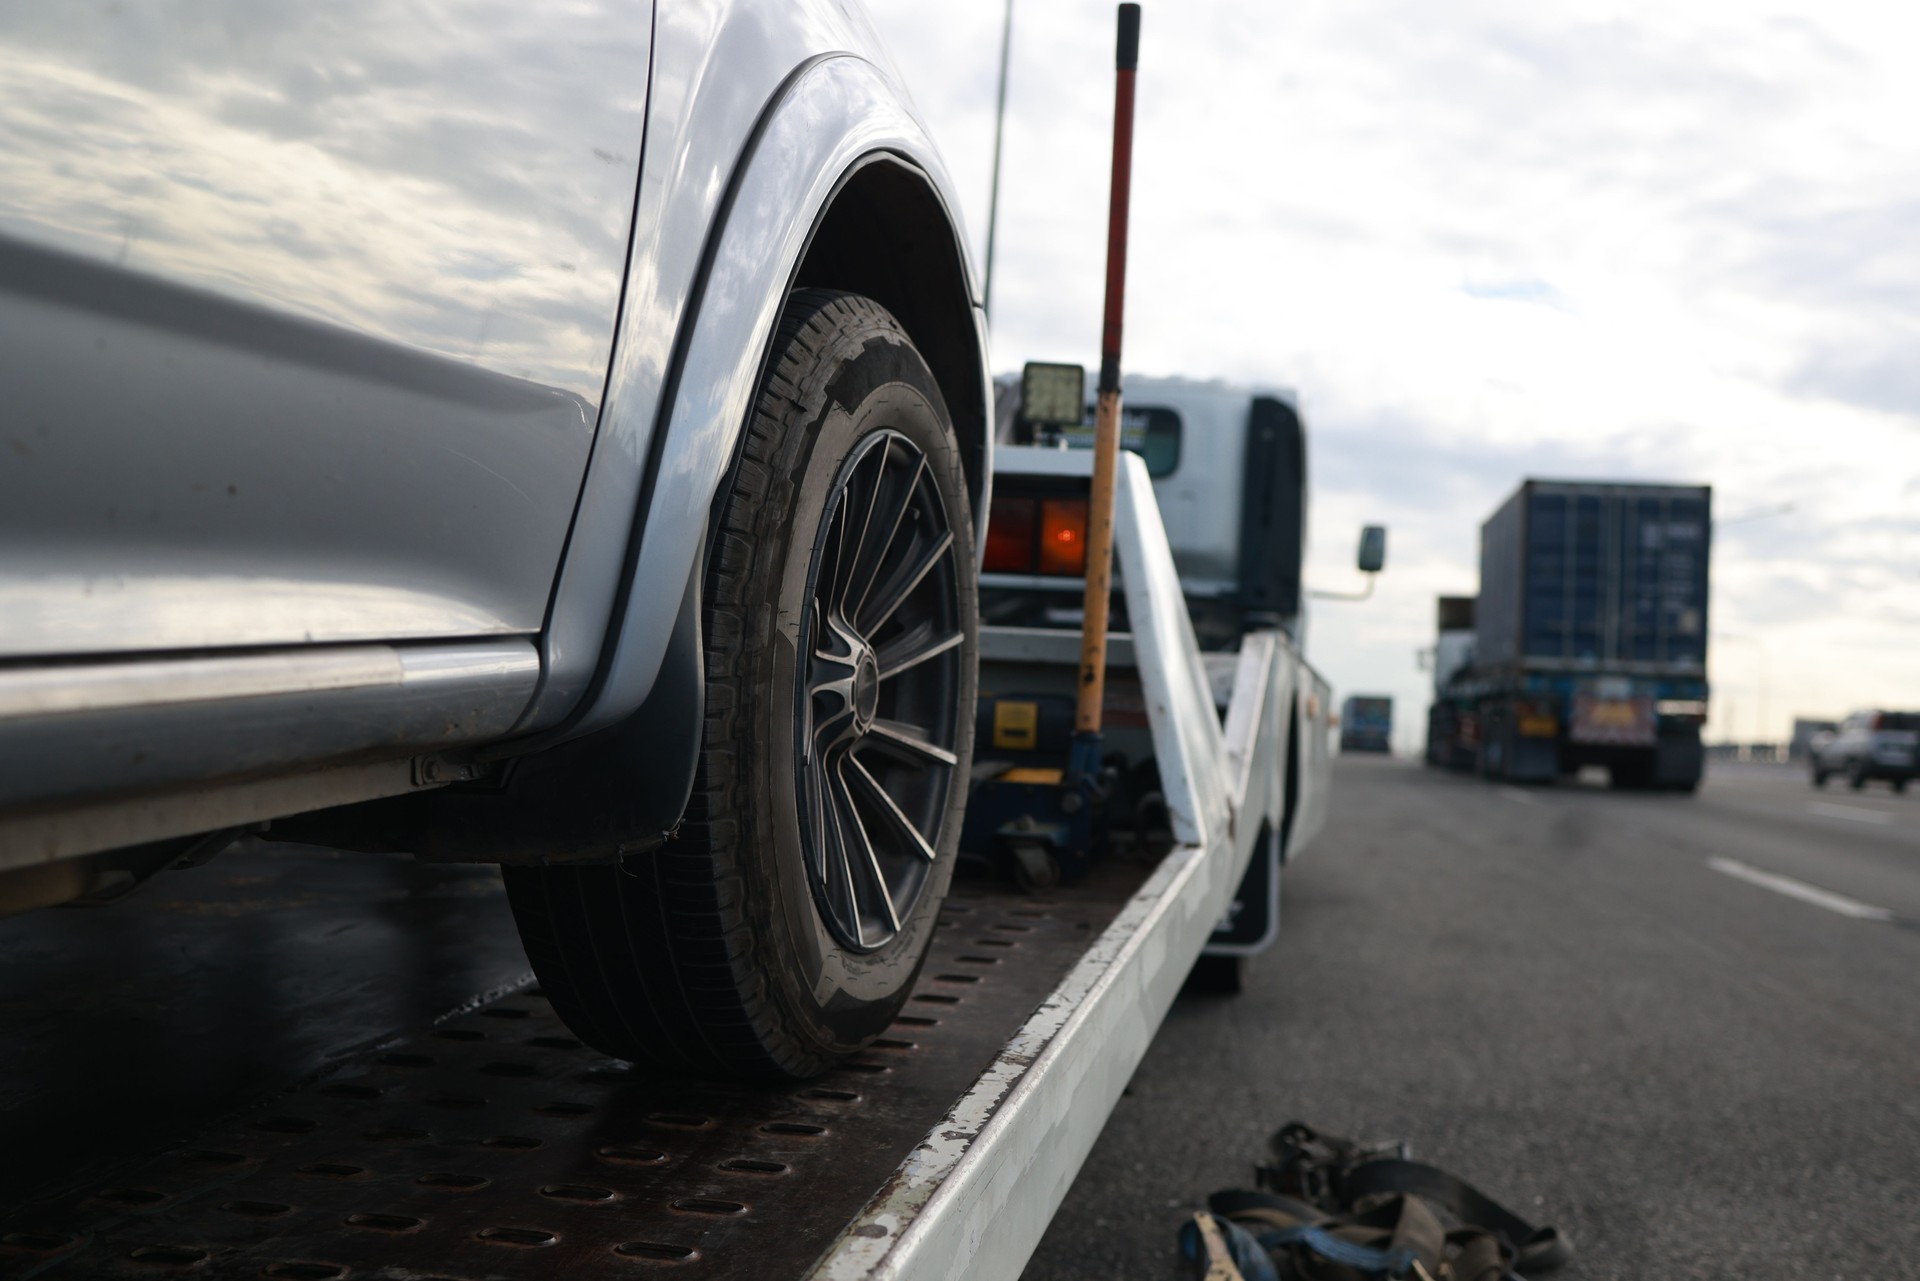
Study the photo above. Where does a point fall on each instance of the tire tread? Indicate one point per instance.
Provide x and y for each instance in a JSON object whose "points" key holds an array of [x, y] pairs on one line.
{"points": [[653, 959]]}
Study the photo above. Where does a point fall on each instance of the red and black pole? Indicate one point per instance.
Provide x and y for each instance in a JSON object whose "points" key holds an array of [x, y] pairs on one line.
{"points": [[1106, 430]]}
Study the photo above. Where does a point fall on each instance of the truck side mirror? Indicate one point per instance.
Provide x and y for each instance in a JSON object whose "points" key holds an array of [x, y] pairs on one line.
{"points": [[1373, 555], [1373, 549]]}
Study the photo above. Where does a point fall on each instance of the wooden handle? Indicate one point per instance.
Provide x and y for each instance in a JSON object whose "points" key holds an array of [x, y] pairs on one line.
{"points": [[1093, 630], [1106, 422]]}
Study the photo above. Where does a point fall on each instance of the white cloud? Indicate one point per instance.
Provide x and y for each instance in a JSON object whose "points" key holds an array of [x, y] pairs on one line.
{"points": [[1491, 240]]}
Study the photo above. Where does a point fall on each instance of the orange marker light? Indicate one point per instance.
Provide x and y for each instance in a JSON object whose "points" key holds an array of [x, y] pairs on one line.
{"points": [[1063, 536], [1010, 536]]}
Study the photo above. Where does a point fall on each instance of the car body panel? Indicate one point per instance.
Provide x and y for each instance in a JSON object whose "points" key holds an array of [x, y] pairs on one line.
{"points": [[828, 117], [157, 729], [352, 273], [500, 284]]}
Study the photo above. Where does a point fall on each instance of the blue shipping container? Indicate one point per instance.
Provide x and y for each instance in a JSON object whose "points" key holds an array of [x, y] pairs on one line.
{"points": [[1366, 723], [1596, 577]]}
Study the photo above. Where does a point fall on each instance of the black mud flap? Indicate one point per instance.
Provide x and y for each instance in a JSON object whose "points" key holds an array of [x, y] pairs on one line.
{"points": [[620, 790]]}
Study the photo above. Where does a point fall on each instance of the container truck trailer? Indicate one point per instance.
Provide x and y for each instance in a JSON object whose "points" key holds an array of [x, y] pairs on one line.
{"points": [[1589, 638], [1366, 723], [1450, 742]]}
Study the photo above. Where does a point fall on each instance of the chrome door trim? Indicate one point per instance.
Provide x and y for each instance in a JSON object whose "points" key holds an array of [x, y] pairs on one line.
{"points": [[44, 836], [85, 732], [102, 687]]}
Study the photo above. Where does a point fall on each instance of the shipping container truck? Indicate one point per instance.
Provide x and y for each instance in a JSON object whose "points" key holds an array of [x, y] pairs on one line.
{"points": [[1450, 730], [1589, 638], [1366, 723]]}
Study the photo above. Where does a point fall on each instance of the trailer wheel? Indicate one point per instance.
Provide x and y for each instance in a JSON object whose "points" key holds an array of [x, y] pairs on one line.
{"points": [[1634, 774], [1035, 868], [783, 927], [1218, 975]]}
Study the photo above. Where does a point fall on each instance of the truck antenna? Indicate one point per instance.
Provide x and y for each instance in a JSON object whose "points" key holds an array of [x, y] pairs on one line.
{"points": [[999, 129]]}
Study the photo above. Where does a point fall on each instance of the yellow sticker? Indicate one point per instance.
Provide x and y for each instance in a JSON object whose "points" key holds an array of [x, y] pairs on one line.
{"points": [[1615, 712], [1016, 725], [1033, 774]]}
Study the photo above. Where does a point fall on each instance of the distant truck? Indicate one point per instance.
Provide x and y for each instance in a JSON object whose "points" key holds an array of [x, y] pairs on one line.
{"points": [[1589, 638], [1366, 723]]}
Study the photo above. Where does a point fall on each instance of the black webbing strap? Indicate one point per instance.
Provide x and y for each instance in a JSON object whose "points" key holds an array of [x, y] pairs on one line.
{"points": [[1338, 1175], [1264, 1207], [1537, 1249]]}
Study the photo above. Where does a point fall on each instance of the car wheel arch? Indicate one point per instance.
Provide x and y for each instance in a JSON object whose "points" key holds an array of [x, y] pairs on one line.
{"points": [[836, 141], [887, 234]]}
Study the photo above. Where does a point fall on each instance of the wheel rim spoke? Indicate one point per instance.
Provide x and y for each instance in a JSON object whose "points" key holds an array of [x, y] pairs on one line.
{"points": [[912, 649], [881, 645], [882, 535], [878, 795], [864, 845], [843, 853], [830, 677], [846, 571], [907, 737], [895, 594], [826, 844]]}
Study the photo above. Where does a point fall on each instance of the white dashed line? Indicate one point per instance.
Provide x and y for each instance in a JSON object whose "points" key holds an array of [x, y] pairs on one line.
{"points": [[1854, 812], [1801, 890]]}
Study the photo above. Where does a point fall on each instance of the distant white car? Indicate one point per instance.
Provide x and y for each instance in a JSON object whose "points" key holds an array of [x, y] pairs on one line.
{"points": [[1869, 744]]}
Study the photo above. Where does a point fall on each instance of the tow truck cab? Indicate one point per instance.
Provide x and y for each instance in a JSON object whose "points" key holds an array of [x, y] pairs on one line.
{"points": [[1227, 470]]}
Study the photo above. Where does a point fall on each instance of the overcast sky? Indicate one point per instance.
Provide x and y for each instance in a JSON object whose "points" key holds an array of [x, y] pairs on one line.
{"points": [[1494, 239]]}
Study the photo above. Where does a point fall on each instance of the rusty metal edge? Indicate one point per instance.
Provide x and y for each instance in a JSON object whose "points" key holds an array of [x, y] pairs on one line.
{"points": [[972, 1200]]}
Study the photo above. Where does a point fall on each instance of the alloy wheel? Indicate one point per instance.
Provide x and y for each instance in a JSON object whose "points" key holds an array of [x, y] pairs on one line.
{"points": [[882, 645]]}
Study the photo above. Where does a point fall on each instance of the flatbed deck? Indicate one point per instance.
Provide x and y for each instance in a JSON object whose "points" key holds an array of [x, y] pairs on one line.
{"points": [[493, 1143]]}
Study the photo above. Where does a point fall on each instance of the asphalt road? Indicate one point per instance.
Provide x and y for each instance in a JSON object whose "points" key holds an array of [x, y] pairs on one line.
{"points": [[1686, 1030]]}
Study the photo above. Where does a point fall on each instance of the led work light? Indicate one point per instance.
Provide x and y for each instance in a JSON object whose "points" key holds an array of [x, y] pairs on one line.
{"points": [[1053, 395]]}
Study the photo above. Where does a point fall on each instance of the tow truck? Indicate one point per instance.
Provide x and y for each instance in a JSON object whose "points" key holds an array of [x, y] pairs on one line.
{"points": [[493, 1143]]}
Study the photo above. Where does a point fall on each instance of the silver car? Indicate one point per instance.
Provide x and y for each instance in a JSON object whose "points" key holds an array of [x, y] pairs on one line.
{"points": [[1869, 745], [554, 437]]}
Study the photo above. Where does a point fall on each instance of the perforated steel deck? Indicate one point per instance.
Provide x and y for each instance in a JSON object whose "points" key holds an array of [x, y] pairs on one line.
{"points": [[494, 1145]]}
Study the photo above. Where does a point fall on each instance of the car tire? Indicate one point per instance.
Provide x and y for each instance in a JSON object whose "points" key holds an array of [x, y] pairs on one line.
{"points": [[1635, 775], [1857, 776], [1899, 785], [1819, 777], [784, 926]]}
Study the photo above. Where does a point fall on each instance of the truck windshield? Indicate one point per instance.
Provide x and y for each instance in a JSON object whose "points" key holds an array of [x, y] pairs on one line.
{"points": [[1151, 431]]}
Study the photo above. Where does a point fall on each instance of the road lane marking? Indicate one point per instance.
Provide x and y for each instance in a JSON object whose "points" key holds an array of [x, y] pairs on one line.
{"points": [[1828, 810], [1801, 890], [1515, 794]]}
